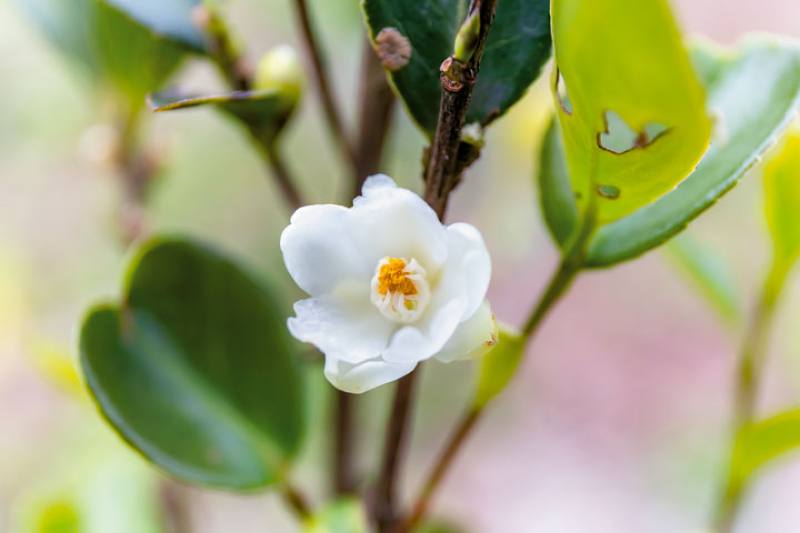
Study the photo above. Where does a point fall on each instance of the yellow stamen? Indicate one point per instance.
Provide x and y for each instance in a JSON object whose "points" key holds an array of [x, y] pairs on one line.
{"points": [[394, 278]]}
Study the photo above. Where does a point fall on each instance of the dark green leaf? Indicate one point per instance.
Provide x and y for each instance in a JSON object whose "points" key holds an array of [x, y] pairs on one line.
{"points": [[555, 193], [196, 369], [119, 53], [170, 18], [754, 96], [265, 112], [517, 47]]}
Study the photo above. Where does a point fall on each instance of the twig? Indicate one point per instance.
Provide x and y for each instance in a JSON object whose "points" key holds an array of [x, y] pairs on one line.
{"points": [[374, 117], [296, 501], [271, 154], [324, 87], [175, 505], [570, 266], [223, 49], [344, 481], [374, 121], [384, 510], [458, 79], [751, 364]]}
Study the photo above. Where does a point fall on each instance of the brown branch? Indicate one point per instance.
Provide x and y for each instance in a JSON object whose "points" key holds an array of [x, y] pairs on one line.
{"points": [[344, 481], [384, 502], [286, 184], [458, 80], [374, 117], [324, 88], [296, 501]]}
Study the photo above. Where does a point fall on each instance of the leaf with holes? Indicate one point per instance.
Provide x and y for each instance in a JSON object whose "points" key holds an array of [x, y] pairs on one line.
{"points": [[264, 112], [117, 52], [782, 201], [195, 369], [763, 442], [753, 93], [172, 19], [413, 38], [635, 124]]}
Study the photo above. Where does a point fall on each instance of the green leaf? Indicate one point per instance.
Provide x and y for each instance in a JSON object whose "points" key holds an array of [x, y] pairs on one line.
{"points": [[499, 366], [196, 369], [555, 193], [754, 93], [763, 442], [169, 18], [343, 516], [59, 516], [264, 112], [635, 124], [517, 47], [709, 274], [116, 51], [754, 96], [782, 200]]}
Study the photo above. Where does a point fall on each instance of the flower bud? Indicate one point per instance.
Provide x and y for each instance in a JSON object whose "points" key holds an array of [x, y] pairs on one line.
{"points": [[467, 37], [280, 69]]}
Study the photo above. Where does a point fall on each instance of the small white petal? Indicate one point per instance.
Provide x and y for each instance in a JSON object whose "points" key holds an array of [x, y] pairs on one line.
{"points": [[317, 249], [473, 337], [468, 268], [427, 337], [387, 221], [343, 325], [364, 376]]}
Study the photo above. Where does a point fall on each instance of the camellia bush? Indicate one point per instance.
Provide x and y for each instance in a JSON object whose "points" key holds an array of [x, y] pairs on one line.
{"points": [[197, 365]]}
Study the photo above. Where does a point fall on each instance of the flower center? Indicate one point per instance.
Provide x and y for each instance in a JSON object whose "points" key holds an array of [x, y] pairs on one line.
{"points": [[400, 290]]}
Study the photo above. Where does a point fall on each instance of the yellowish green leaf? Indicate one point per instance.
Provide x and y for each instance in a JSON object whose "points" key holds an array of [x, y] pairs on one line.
{"points": [[782, 200], [498, 367]]}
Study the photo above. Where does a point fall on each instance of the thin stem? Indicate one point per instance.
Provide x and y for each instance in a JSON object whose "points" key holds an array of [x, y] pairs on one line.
{"points": [[344, 481], [571, 264], [442, 465], [296, 501], [384, 505], [223, 48], [458, 79], [374, 117], [175, 505], [324, 88], [748, 381], [280, 172]]}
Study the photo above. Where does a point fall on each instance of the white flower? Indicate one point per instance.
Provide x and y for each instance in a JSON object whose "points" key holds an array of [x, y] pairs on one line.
{"points": [[390, 286]]}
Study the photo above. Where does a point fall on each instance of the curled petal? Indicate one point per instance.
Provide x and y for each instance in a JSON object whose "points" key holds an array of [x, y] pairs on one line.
{"points": [[387, 221], [473, 337], [344, 326], [318, 251], [363, 376]]}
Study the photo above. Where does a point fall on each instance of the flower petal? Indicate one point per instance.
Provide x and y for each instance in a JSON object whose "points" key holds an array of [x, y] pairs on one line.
{"points": [[387, 221], [364, 376], [473, 337], [344, 325], [318, 251], [468, 269], [428, 336]]}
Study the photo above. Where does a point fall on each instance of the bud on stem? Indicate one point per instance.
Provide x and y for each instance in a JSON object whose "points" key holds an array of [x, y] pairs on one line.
{"points": [[467, 37]]}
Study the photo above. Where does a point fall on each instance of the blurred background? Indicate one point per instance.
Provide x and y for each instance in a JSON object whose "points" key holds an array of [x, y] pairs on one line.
{"points": [[616, 423]]}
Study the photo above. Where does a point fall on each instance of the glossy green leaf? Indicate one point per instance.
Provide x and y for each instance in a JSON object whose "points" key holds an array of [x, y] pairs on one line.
{"points": [[196, 369], [343, 516], [782, 200], [499, 366], [517, 47], [555, 192], [265, 112], [753, 94], [170, 18], [635, 125], [119, 53], [709, 274], [763, 442]]}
